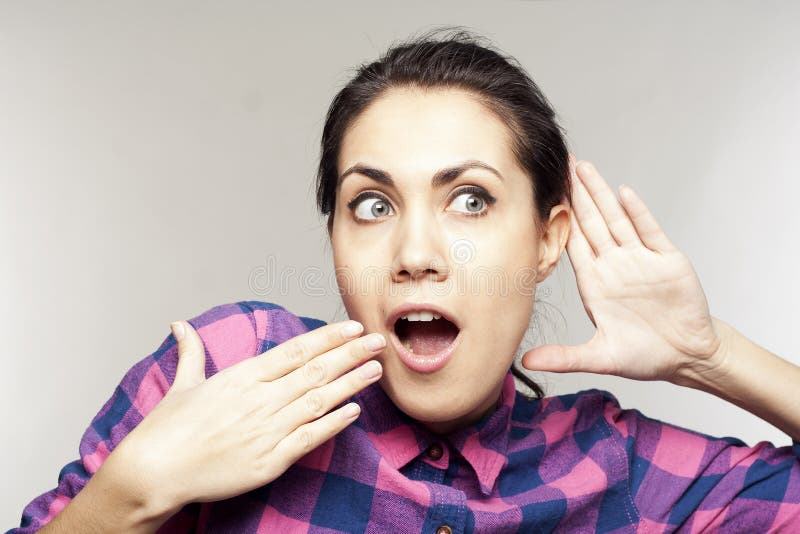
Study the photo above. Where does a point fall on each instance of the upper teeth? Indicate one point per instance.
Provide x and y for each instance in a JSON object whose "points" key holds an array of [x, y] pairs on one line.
{"points": [[421, 316]]}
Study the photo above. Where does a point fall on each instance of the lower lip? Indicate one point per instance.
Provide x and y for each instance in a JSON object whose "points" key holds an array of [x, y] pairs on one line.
{"points": [[424, 363]]}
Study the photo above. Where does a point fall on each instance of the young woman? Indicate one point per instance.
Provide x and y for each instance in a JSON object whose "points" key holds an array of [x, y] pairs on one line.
{"points": [[450, 194]]}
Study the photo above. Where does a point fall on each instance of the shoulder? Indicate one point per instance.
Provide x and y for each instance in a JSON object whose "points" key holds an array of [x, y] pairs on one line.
{"points": [[584, 414], [586, 400], [230, 333], [234, 331], [601, 411], [590, 416], [589, 403], [597, 415]]}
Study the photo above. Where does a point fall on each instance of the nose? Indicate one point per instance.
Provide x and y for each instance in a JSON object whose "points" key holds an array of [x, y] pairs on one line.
{"points": [[419, 250]]}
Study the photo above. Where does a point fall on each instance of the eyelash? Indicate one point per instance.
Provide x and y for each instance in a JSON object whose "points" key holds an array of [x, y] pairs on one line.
{"points": [[474, 190], [479, 192]]}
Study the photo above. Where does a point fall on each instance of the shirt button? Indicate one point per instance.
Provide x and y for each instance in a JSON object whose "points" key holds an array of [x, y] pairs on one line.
{"points": [[444, 529], [435, 452]]}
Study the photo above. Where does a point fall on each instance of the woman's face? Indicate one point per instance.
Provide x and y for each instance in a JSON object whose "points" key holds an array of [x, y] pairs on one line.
{"points": [[434, 212]]}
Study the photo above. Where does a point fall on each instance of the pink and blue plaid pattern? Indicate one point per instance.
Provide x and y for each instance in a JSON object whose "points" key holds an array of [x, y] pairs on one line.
{"points": [[568, 463]]}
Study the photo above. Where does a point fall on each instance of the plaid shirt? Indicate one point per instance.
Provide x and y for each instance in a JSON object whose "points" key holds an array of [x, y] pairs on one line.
{"points": [[567, 463]]}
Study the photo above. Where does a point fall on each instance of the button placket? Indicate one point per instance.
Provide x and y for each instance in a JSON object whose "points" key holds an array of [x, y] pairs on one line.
{"points": [[448, 513]]}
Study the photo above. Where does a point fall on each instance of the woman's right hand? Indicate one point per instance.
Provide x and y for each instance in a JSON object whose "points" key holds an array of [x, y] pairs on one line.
{"points": [[212, 439]]}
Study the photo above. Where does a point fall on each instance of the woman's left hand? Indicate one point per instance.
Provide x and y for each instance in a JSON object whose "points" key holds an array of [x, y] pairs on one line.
{"points": [[640, 292]]}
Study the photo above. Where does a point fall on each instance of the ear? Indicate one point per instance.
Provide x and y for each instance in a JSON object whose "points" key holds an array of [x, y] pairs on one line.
{"points": [[330, 226], [553, 241]]}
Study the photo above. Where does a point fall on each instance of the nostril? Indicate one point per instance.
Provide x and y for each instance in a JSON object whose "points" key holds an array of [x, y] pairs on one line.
{"points": [[417, 272]]}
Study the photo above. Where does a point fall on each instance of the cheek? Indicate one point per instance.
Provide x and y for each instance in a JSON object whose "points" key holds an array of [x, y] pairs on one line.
{"points": [[512, 246], [361, 281], [504, 275]]}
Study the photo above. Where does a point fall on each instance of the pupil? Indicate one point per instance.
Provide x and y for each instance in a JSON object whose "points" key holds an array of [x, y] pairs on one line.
{"points": [[474, 202], [378, 208]]}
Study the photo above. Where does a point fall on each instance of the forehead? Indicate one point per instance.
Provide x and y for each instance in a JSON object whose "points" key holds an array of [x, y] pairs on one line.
{"points": [[413, 129]]}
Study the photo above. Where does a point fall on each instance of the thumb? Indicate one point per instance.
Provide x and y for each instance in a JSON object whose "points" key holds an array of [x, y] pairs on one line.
{"points": [[562, 359], [191, 369]]}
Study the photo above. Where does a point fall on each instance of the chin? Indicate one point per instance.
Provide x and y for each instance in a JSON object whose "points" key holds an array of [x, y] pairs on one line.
{"points": [[430, 403]]}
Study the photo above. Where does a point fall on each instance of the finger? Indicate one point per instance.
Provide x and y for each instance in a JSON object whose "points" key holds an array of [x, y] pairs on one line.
{"points": [[609, 207], [589, 218], [309, 436], [191, 357], [318, 401], [578, 248], [325, 368], [565, 359], [297, 351], [650, 232]]}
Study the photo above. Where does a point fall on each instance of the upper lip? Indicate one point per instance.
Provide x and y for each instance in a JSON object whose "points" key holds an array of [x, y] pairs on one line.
{"points": [[408, 307]]}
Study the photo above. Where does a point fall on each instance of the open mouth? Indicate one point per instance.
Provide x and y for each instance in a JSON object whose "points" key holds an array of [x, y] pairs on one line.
{"points": [[424, 340], [425, 335]]}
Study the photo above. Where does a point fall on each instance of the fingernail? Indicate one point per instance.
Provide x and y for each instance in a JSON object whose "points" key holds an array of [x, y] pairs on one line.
{"points": [[351, 329], [351, 410], [374, 342], [626, 191], [369, 370], [178, 330]]}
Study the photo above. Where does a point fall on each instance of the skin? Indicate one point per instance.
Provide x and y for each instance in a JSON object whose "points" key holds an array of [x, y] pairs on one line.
{"points": [[404, 255], [651, 314], [244, 426]]}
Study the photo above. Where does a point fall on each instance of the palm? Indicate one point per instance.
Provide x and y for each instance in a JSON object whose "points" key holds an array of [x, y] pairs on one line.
{"points": [[640, 292]]}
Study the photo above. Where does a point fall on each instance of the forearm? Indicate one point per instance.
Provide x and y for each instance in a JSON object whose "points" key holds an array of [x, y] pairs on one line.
{"points": [[752, 378], [106, 505]]}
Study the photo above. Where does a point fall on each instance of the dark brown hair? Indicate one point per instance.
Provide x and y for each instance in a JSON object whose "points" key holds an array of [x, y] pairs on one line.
{"points": [[456, 58]]}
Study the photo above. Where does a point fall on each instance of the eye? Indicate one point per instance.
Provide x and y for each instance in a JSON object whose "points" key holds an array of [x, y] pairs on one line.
{"points": [[473, 201], [369, 206]]}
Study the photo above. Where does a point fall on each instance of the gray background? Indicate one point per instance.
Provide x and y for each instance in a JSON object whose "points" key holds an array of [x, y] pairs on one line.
{"points": [[155, 156]]}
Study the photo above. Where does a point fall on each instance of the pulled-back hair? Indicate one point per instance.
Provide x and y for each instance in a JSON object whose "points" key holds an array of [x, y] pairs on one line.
{"points": [[458, 59]]}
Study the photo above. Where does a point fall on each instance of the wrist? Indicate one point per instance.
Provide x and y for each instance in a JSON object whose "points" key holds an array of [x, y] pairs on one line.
{"points": [[708, 371], [738, 370], [140, 497], [105, 505]]}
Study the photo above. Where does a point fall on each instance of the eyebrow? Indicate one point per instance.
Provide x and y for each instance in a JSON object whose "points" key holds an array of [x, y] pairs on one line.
{"points": [[442, 176]]}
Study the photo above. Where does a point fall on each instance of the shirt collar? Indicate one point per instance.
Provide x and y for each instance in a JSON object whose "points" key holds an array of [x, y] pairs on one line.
{"points": [[400, 439]]}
